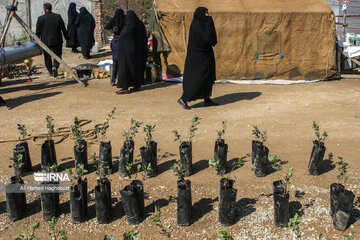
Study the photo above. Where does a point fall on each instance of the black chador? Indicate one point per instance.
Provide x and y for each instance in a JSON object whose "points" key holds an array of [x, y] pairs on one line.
{"points": [[199, 70], [132, 45], [71, 28], [85, 24]]}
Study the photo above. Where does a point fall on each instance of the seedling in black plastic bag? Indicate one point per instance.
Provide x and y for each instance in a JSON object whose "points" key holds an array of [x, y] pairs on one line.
{"points": [[78, 134], [148, 136], [50, 126], [221, 132], [17, 164], [22, 131], [342, 170], [102, 172], [195, 121], [131, 133], [259, 135], [80, 171], [224, 234], [157, 217], [294, 223], [320, 137], [179, 170], [102, 128], [286, 180]]}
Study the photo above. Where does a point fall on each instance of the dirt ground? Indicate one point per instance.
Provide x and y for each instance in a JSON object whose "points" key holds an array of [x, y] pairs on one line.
{"points": [[286, 112]]}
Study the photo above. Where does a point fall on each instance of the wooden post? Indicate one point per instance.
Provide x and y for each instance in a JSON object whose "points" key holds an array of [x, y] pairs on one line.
{"points": [[45, 48], [9, 18]]}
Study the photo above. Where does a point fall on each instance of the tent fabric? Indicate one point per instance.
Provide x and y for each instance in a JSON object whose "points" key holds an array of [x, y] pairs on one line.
{"points": [[262, 39]]}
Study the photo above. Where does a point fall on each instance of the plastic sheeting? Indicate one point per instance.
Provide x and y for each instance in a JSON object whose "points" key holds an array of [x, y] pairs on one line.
{"points": [[16, 32]]}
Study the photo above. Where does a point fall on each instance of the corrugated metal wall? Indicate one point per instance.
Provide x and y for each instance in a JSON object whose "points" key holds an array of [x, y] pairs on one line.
{"points": [[353, 23]]}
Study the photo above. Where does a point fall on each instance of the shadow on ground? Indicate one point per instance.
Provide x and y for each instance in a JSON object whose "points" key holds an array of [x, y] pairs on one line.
{"points": [[230, 98]]}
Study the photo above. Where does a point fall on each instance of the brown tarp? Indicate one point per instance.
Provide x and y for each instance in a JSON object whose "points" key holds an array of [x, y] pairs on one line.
{"points": [[257, 39]]}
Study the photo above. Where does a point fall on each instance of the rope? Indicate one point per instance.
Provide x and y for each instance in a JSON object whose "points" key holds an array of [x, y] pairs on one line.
{"points": [[61, 134]]}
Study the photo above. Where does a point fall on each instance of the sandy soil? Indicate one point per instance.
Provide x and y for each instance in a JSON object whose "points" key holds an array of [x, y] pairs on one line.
{"points": [[286, 112]]}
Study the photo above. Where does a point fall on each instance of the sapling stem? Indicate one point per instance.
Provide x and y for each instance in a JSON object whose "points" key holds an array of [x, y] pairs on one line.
{"points": [[131, 133], [259, 135], [50, 126], [105, 125], [221, 132], [17, 164], [22, 131], [78, 134], [320, 137], [342, 170]]}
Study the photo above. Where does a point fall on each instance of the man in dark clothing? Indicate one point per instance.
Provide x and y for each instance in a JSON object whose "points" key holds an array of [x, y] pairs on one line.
{"points": [[48, 28], [199, 70]]}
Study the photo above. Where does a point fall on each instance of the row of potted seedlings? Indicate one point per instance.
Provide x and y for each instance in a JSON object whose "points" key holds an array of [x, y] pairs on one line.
{"points": [[133, 193]]}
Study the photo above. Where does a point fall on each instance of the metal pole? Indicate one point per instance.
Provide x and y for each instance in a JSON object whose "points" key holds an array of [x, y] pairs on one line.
{"points": [[344, 25], [28, 12]]}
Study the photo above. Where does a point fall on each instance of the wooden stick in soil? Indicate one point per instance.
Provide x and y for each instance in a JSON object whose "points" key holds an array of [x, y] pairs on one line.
{"points": [[45, 48]]}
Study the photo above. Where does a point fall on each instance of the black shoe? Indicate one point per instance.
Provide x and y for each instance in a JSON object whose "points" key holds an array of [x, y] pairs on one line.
{"points": [[55, 72], [183, 104], [2, 101], [208, 102], [75, 51]]}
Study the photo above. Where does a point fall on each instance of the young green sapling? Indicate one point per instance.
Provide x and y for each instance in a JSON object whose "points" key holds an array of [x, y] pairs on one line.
{"points": [[195, 121], [259, 135], [50, 126], [224, 234], [320, 137], [22, 131], [78, 134], [157, 217], [131, 133], [294, 223], [17, 163], [102, 128]]}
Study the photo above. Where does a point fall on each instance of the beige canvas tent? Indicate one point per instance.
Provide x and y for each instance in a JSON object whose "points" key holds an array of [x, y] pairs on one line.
{"points": [[257, 39]]}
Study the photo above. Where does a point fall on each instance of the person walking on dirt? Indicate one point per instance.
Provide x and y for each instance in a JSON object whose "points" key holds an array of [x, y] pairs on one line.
{"points": [[49, 28], [71, 28], [199, 70], [132, 54], [85, 24], [116, 24]]}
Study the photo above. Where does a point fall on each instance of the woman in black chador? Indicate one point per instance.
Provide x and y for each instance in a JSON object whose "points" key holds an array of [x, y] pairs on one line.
{"points": [[71, 28], [116, 24], [85, 24], [132, 48], [199, 70]]}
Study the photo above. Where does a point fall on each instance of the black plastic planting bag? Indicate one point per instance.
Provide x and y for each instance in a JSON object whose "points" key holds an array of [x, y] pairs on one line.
{"points": [[147, 157], [103, 201], [281, 205], [343, 210], [105, 155], [184, 203], [48, 154], [316, 158], [78, 201], [81, 155], [186, 157], [153, 146], [133, 201], [227, 202], [50, 203], [124, 160], [259, 158], [220, 154], [20, 150], [27, 165], [335, 190], [130, 145], [15, 202]]}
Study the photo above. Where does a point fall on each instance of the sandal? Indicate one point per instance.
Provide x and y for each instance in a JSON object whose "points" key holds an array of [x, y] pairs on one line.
{"points": [[123, 91]]}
